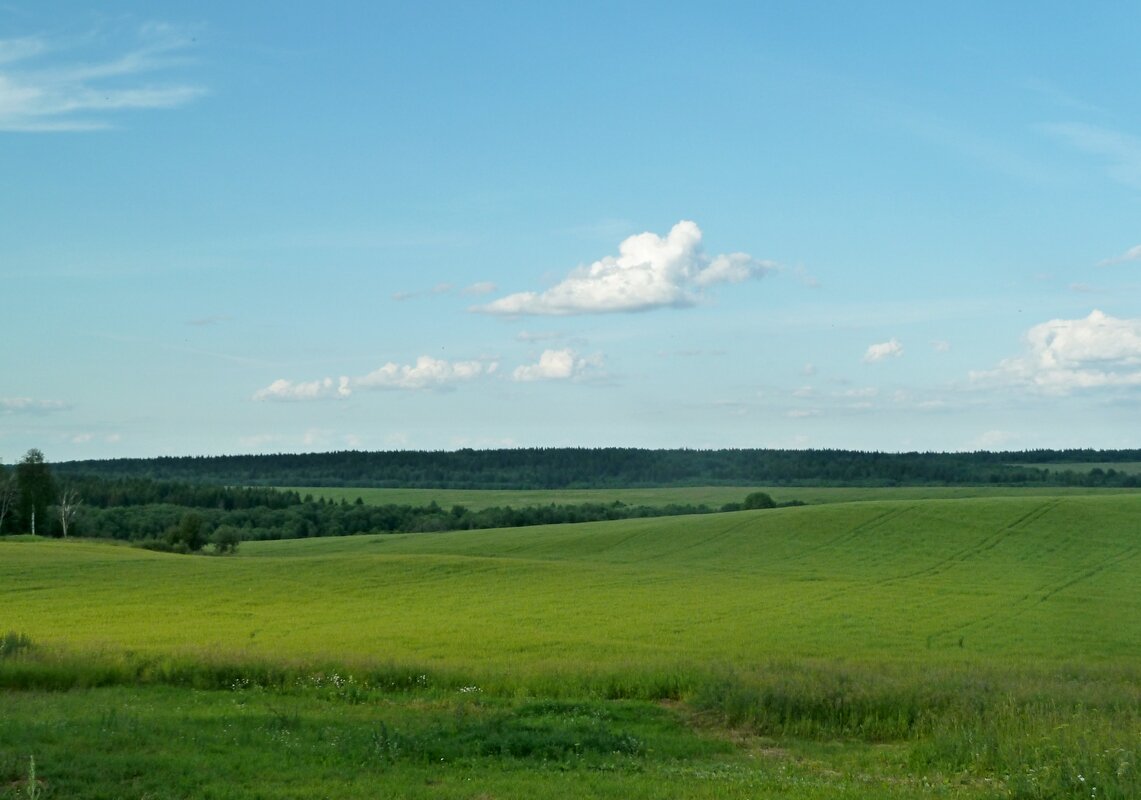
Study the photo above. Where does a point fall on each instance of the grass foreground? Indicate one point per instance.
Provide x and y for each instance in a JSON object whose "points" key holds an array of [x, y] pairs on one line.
{"points": [[984, 647]]}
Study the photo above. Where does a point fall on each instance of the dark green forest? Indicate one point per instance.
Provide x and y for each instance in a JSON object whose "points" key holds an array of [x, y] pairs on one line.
{"points": [[602, 468]]}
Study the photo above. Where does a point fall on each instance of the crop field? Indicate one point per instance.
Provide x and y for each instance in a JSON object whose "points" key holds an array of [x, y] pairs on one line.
{"points": [[972, 647], [712, 496]]}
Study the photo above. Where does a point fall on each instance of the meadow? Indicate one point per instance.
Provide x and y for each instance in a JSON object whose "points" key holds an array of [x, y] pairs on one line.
{"points": [[981, 646]]}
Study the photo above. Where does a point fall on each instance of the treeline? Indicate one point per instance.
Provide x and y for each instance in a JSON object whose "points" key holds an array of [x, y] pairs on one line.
{"points": [[173, 527], [582, 468], [185, 517]]}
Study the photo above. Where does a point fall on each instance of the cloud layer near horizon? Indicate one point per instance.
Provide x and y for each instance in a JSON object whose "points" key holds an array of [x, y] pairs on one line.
{"points": [[649, 272]]}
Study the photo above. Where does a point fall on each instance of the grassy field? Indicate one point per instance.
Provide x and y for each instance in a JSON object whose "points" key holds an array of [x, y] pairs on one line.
{"points": [[712, 496], [975, 647]]}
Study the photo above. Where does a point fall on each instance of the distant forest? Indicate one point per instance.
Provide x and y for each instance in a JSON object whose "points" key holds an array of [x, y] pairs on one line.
{"points": [[603, 468]]}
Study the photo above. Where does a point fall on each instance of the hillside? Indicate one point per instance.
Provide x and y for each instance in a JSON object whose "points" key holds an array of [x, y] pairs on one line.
{"points": [[990, 578]]}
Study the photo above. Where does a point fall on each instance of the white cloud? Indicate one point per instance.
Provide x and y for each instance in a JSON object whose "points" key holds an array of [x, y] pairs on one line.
{"points": [[940, 346], [28, 405], [83, 94], [649, 272], [557, 365], [426, 373], [1065, 355], [878, 352], [1132, 254], [865, 392]]}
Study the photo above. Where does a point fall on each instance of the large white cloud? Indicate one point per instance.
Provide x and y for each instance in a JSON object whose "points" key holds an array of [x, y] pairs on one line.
{"points": [[556, 365], [426, 373], [649, 272], [1066, 355]]}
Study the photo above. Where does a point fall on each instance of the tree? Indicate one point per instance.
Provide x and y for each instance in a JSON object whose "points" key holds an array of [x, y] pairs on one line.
{"points": [[8, 494], [69, 503], [190, 532], [226, 539], [36, 489], [759, 500]]}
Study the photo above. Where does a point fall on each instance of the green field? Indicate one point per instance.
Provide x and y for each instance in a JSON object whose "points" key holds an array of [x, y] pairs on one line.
{"points": [[712, 496], [975, 647]]}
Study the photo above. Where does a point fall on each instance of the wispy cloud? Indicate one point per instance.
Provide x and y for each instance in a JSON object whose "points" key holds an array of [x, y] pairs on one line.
{"points": [[483, 287], [649, 272], [1121, 151], [1067, 355], [426, 373], [48, 85], [28, 405], [1132, 254], [878, 352]]}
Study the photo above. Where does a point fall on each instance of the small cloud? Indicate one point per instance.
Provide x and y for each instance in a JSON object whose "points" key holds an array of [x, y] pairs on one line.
{"points": [[1081, 288], [426, 373], [282, 389], [1132, 254], [483, 287], [82, 438], [802, 413], [649, 272], [556, 365], [805, 278], [878, 352], [867, 391], [940, 346], [1067, 355], [28, 405], [809, 369], [803, 391]]}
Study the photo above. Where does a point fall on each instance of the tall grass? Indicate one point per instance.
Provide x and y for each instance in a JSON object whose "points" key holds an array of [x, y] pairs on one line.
{"points": [[1069, 731]]}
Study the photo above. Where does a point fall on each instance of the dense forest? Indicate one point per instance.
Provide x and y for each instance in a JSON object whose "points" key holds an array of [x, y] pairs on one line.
{"points": [[582, 468], [182, 517]]}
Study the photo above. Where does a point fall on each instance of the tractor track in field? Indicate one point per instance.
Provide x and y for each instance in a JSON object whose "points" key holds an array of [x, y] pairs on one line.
{"points": [[1036, 597], [699, 543], [984, 545], [851, 534]]}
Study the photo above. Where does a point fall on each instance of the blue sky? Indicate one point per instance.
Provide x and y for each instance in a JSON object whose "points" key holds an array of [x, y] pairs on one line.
{"points": [[237, 227]]}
